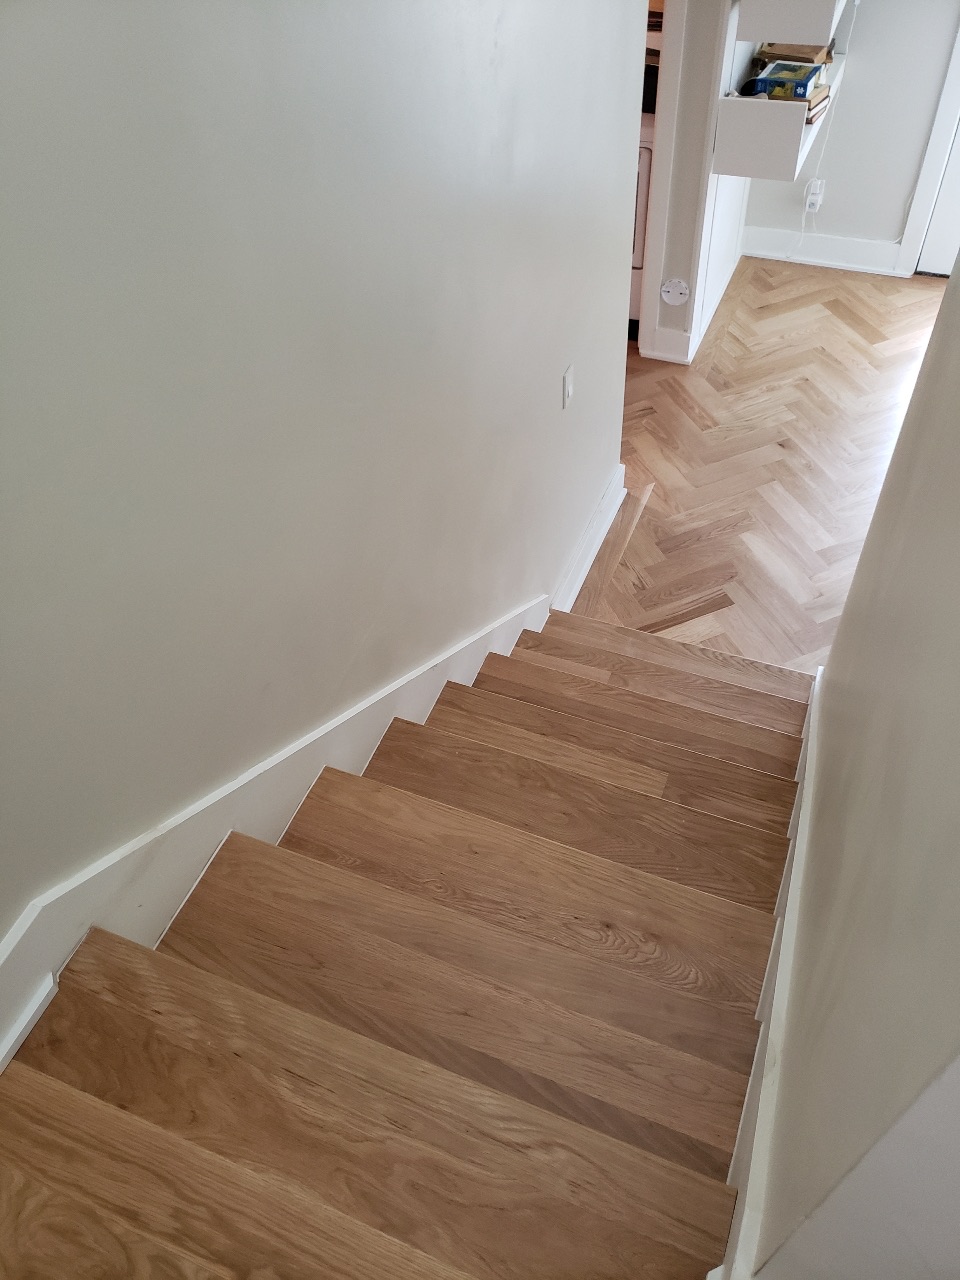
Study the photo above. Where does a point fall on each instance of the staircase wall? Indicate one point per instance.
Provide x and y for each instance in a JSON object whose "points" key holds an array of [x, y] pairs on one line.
{"points": [[872, 1009], [294, 287]]}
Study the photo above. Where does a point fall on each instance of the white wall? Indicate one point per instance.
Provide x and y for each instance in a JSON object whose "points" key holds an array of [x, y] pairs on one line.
{"points": [[893, 1217], [289, 288], [870, 153], [872, 1011], [703, 213]]}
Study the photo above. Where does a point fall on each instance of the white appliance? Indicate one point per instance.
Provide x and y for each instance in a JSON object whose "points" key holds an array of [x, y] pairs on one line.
{"points": [[640, 222]]}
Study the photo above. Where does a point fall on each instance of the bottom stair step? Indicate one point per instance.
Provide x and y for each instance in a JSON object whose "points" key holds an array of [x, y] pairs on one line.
{"points": [[248, 1134]]}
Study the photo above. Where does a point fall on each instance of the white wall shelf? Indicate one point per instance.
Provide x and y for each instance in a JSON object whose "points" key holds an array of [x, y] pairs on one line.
{"points": [[766, 138], [789, 21]]}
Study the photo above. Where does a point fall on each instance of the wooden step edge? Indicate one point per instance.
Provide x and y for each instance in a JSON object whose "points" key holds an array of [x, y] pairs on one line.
{"points": [[747, 673], [611, 551], [644, 714], [755, 917], [401, 726], [458, 690], [695, 689]]}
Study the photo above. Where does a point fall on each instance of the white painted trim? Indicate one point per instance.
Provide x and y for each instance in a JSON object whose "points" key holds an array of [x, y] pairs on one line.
{"points": [[136, 890], [661, 182], [749, 1169], [945, 124], [668, 344], [878, 257], [590, 541]]}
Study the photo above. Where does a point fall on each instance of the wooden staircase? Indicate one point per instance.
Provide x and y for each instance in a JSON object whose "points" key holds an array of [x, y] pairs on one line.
{"points": [[487, 1011]]}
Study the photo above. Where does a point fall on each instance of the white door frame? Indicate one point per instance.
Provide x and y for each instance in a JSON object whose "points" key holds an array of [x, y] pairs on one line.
{"points": [[945, 124]]}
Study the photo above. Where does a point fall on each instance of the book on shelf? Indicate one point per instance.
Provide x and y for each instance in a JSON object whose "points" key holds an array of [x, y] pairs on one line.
{"points": [[812, 54], [820, 94], [792, 81], [814, 116]]}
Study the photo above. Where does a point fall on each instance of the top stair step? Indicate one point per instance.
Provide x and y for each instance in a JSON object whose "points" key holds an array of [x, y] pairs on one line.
{"points": [[731, 668], [705, 693]]}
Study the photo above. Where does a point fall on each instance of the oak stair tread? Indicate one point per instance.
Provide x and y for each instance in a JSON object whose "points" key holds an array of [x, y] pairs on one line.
{"points": [[728, 859], [766, 750], [747, 673], [328, 938], [640, 952], [695, 690], [611, 755]]}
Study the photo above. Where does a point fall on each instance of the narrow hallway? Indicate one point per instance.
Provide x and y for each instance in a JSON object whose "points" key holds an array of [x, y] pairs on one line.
{"points": [[767, 455]]}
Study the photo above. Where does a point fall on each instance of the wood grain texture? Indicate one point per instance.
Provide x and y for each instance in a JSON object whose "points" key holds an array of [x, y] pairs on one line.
{"points": [[597, 751], [176, 1192], [713, 855], [724, 739], [480, 1126], [768, 453], [747, 673], [332, 1142], [611, 550], [380, 951], [47, 1235], [628, 948], [698, 692]]}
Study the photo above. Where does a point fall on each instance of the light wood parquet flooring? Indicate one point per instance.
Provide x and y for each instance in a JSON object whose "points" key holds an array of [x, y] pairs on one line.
{"points": [[767, 455]]}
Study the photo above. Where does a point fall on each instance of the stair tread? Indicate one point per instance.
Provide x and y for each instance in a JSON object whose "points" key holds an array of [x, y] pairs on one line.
{"points": [[176, 1192], [385, 1105], [694, 690], [708, 853], [657, 958], [730, 667], [48, 1235], [393, 956], [533, 1155], [330, 1138], [626, 760], [765, 750]]}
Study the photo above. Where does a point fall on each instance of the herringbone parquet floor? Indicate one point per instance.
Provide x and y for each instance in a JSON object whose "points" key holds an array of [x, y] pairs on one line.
{"points": [[767, 455]]}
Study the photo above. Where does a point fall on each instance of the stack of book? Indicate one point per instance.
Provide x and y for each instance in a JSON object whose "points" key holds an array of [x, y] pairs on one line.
{"points": [[817, 103]]}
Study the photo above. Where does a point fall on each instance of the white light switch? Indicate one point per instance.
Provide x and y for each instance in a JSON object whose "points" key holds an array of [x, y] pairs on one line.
{"points": [[568, 386]]}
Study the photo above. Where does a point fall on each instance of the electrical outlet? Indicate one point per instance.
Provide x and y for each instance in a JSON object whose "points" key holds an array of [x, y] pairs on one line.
{"points": [[815, 188], [567, 386]]}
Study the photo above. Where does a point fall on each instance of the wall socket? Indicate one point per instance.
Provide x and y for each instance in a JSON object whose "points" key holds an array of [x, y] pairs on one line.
{"points": [[815, 189], [567, 386]]}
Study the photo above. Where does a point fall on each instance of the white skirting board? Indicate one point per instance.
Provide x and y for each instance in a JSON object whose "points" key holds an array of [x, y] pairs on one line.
{"points": [[672, 345], [878, 257], [589, 544], [749, 1167], [136, 890]]}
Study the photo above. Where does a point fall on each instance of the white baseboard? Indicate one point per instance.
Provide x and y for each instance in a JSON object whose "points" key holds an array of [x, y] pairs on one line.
{"points": [[590, 542], [136, 890], [878, 257], [671, 345], [750, 1166]]}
